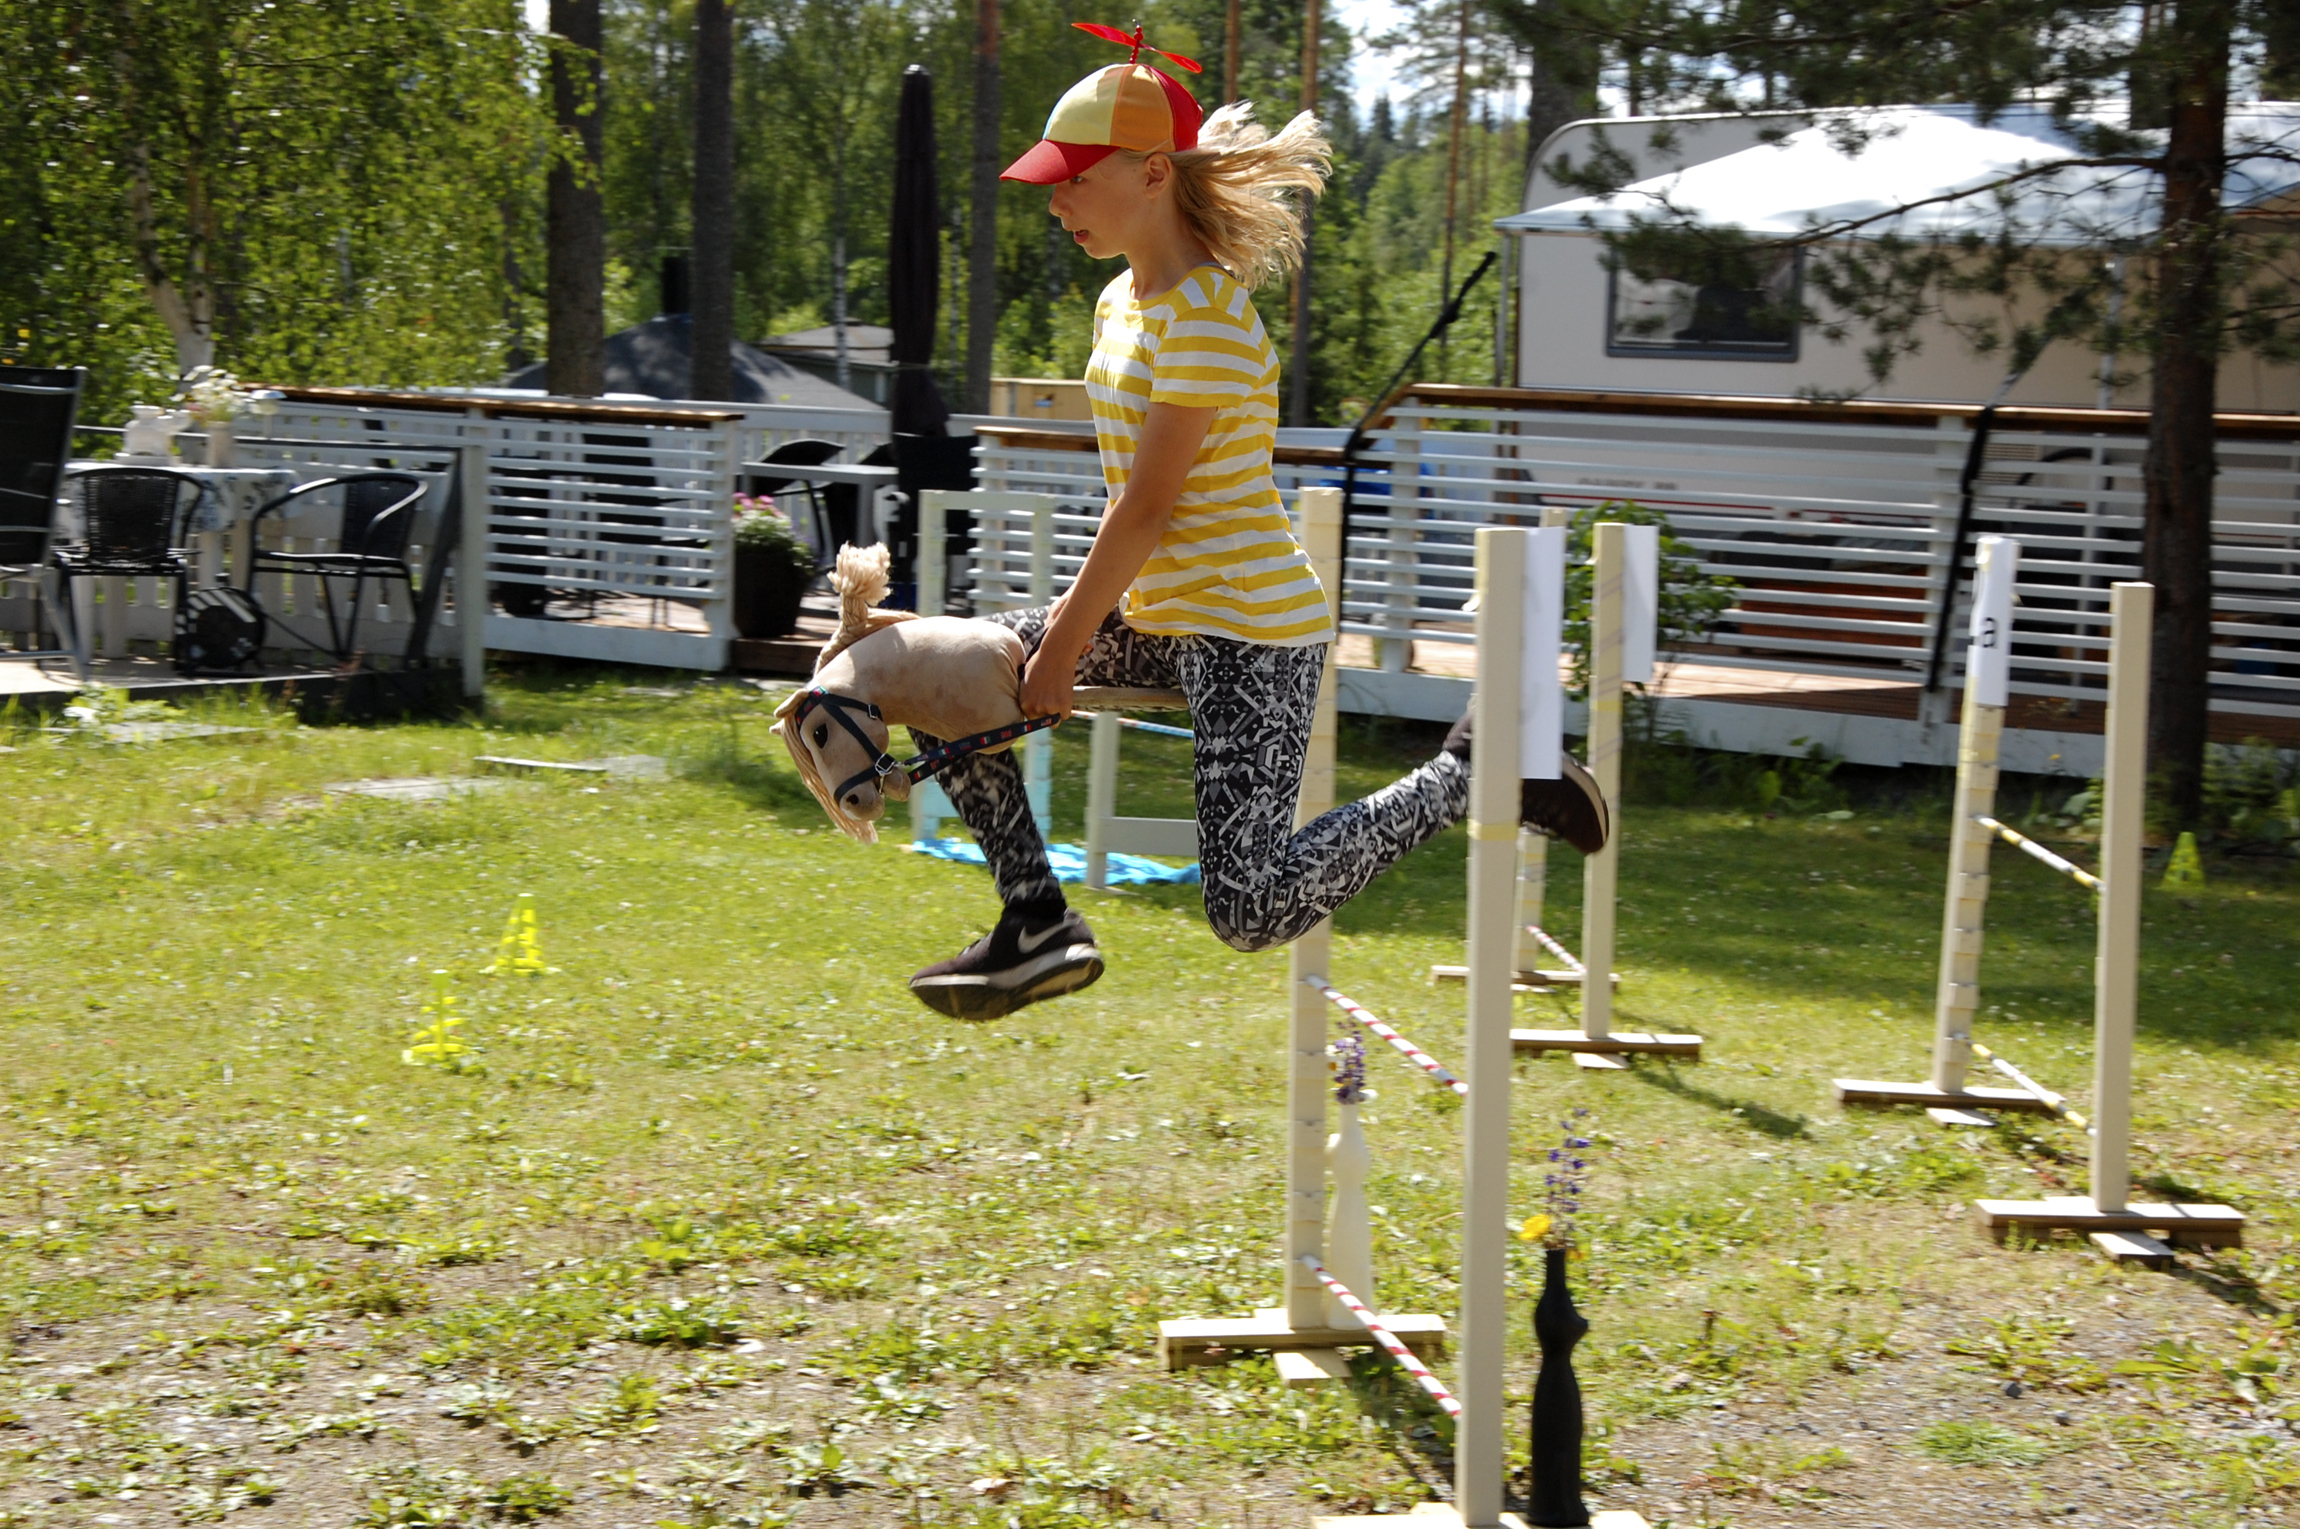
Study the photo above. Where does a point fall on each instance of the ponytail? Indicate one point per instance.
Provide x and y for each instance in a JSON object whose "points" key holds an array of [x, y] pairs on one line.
{"points": [[1243, 192]]}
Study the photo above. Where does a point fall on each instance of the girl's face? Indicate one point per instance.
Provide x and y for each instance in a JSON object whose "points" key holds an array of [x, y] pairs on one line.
{"points": [[1117, 206]]}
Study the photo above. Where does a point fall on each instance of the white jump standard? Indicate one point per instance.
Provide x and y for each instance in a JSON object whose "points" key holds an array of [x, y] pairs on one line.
{"points": [[2119, 1227], [1305, 1323], [1623, 610]]}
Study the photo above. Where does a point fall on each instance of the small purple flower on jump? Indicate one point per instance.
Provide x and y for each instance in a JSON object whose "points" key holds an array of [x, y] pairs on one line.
{"points": [[1349, 1065], [1562, 1186]]}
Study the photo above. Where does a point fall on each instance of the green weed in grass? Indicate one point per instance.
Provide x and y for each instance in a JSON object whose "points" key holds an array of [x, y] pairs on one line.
{"points": [[1976, 1441]]}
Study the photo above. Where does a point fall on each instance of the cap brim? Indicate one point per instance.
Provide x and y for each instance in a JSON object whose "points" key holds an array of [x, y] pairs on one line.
{"points": [[1050, 162]]}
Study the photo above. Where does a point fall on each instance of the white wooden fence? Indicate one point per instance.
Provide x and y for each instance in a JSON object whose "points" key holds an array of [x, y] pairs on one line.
{"points": [[1836, 521]]}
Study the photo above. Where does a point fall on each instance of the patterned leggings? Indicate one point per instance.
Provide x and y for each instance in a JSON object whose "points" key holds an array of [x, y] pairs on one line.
{"points": [[1250, 708]]}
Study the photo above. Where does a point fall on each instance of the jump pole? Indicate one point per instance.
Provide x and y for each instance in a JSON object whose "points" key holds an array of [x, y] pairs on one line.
{"points": [[1303, 1331], [1625, 593], [1948, 1097], [2123, 1229]]}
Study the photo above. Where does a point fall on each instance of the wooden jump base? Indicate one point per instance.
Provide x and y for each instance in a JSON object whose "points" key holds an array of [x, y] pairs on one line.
{"points": [[1190, 1341], [1612, 1043], [1533, 859], [2193, 1226], [1868, 1091], [2124, 1231], [1437, 1515]]}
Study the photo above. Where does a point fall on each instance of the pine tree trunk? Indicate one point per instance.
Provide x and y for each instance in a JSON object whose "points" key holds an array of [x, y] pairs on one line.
{"points": [[575, 278], [982, 231], [1459, 118], [2176, 547], [711, 371], [1232, 32], [1298, 360]]}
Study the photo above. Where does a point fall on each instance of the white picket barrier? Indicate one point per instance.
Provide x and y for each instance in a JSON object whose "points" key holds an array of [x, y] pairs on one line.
{"points": [[1028, 548], [1324, 1311], [2120, 1227], [1623, 617]]}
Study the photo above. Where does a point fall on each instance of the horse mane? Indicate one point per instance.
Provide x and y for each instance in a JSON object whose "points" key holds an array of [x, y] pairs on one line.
{"points": [[861, 578]]}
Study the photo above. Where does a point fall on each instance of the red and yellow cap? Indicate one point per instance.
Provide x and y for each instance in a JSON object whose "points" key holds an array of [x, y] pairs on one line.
{"points": [[1126, 106]]}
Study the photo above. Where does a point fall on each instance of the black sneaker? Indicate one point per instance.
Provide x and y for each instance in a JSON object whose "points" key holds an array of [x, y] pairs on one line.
{"points": [[1569, 808], [1011, 967]]}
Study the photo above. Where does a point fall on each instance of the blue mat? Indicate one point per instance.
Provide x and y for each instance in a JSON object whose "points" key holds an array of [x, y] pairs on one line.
{"points": [[1068, 861]]}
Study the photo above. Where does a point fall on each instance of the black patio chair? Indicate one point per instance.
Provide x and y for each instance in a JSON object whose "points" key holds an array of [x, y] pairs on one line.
{"points": [[375, 521], [132, 523], [39, 406], [799, 455]]}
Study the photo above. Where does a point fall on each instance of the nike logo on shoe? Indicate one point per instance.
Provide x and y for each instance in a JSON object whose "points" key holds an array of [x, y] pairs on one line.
{"points": [[1028, 943]]}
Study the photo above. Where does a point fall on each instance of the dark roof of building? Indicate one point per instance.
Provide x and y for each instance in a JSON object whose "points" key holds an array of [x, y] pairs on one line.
{"points": [[650, 359]]}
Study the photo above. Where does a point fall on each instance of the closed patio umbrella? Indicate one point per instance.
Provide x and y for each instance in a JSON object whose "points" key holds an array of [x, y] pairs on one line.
{"points": [[914, 261]]}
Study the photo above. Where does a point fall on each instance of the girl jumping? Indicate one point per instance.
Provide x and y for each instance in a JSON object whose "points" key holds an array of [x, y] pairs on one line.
{"points": [[1195, 581]]}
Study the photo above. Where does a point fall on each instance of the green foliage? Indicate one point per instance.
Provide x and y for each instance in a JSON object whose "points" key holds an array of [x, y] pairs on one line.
{"points": [[2251, 797], [703, 1322], [1765, 1471], [1977, 1441], [761, 526], [2034, 1352], [1691, 601], [271, 176], [417, 1496]]}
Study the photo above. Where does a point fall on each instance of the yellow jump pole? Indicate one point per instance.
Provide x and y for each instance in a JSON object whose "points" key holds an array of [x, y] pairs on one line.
{"points": [[1479, 1458], [1948, 1095], [1308, 1082]]}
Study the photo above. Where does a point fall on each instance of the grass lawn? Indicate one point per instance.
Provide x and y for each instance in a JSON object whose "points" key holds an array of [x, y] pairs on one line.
{"points": [[717, 1226]]}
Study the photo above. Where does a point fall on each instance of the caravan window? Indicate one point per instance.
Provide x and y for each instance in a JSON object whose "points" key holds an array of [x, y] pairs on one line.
{"points": [[1742, 306]]}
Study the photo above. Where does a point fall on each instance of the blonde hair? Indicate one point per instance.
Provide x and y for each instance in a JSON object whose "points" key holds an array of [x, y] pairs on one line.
{"points": [[1242, 191]]}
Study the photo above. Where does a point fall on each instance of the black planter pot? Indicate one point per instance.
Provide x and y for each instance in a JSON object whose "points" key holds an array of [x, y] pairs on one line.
{"points": [[1555, 1498], [767, 591]]}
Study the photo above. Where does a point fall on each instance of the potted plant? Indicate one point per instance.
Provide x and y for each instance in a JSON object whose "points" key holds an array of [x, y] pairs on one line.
{"points": [[772, 568], [214, 398]]}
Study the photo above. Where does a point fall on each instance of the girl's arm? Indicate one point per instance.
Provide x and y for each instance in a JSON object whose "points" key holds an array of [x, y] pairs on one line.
{"points": [[1131, 528]]}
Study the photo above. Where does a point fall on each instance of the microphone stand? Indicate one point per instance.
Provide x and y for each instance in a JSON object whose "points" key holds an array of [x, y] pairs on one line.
{"points": [[1357, 439]]}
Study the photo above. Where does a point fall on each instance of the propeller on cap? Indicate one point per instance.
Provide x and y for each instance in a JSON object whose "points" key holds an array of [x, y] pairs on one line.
{"points": [[1133, 40]]}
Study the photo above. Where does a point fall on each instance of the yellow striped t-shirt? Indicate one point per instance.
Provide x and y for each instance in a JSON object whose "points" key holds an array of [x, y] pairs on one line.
{"points": [[1228, 565]]}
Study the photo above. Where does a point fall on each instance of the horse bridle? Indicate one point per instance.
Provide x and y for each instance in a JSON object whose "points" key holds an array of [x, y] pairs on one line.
{"points": [[921, 767]]}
